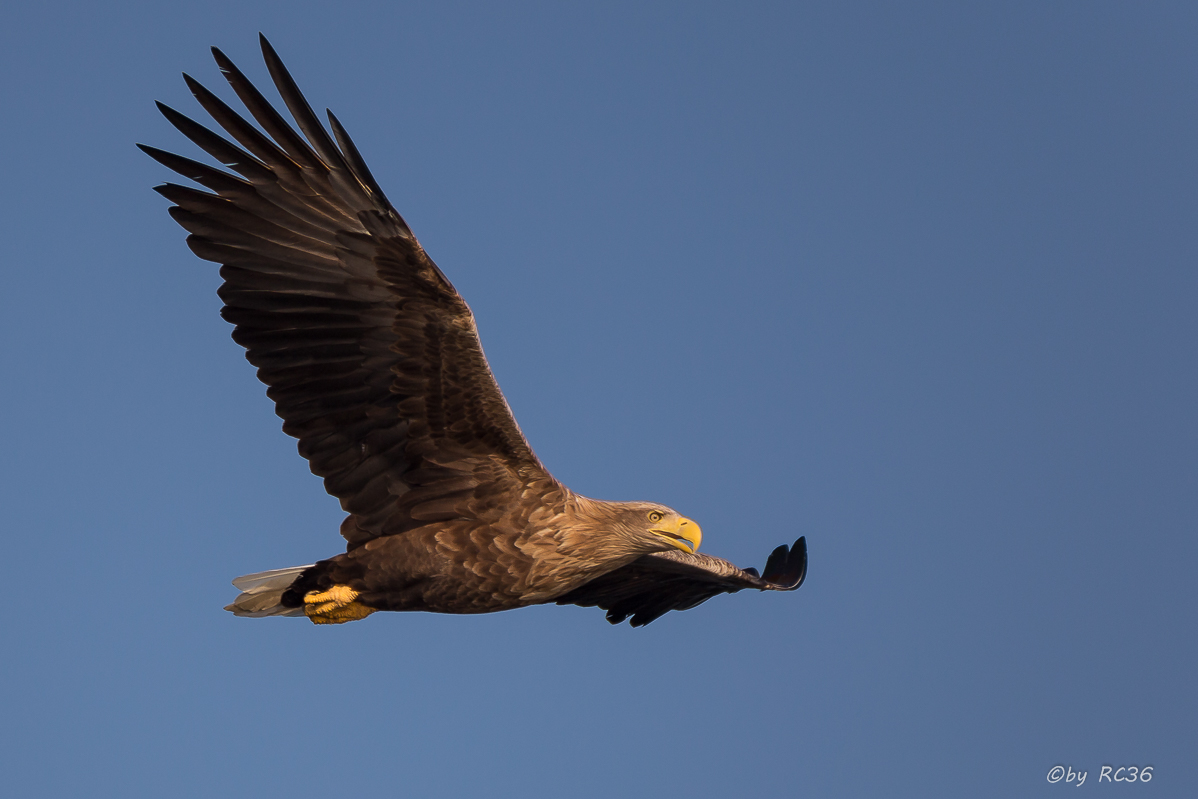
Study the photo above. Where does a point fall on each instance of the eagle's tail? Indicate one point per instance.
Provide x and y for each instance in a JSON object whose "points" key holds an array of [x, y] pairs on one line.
{"points": [[262, 593]]}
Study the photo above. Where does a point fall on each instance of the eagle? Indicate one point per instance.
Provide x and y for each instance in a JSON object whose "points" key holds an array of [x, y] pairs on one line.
{"points": [[373, 361]]}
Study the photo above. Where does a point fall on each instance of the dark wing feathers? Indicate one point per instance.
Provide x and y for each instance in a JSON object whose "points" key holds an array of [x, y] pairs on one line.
{"points": [[370, 355], [786, 567], [653, 585]]}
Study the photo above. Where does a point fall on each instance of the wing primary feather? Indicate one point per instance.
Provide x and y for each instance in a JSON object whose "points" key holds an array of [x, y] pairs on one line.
{"points": [[227, 185], [800, 547], [318, 137], [356, 162], [787, 568], [354, 192], [231, 156], [245, 133], [317, 210], [271, 121], [218, 181], [775, 564]]}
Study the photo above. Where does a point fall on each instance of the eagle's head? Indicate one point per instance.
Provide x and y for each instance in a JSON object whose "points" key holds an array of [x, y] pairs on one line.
{"points": [[658, 528]]}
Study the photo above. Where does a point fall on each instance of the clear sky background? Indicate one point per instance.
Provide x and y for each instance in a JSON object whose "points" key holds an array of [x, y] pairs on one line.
{"points": [[917, 281]]}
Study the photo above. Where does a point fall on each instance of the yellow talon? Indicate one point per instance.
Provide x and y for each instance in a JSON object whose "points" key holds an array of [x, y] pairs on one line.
{"points": [[334, 606], [338, 595]]}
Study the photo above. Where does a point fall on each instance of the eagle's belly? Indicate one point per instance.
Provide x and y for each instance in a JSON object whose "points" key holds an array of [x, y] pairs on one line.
{"points": [[467, 568]]}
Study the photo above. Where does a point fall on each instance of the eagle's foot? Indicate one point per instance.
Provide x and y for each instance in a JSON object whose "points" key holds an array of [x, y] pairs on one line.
{"points": [[334, 606]]}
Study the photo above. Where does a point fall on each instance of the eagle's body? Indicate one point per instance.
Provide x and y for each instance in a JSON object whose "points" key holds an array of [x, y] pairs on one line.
{"points": [[472, 566], [374, 364]]}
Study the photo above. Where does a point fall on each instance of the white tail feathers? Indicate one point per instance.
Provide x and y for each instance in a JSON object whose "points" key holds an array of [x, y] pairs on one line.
{"points": [[261, 593]]}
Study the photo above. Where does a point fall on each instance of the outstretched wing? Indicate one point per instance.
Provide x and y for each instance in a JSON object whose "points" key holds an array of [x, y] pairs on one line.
{"points": [[371, 356], [653, 585]]}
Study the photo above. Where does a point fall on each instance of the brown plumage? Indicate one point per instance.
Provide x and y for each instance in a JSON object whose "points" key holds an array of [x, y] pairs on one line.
{"points": [[374, 364]]}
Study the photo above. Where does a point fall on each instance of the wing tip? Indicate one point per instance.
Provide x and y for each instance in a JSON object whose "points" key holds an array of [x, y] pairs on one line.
{"points": [[786, 567]]}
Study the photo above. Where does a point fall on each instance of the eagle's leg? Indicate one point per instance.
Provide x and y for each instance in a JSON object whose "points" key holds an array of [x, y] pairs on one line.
{"points": [[334, 606]]}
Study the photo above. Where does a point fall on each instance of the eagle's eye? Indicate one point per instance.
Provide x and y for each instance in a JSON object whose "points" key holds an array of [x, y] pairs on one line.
{"points": [[655, 516]]}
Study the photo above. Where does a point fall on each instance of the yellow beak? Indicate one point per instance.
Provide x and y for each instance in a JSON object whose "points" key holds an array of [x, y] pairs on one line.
{"points": [[681, 533]]}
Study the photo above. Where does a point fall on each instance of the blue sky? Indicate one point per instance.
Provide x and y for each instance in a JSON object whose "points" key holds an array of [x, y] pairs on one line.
{"points": [[916, 282]]}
